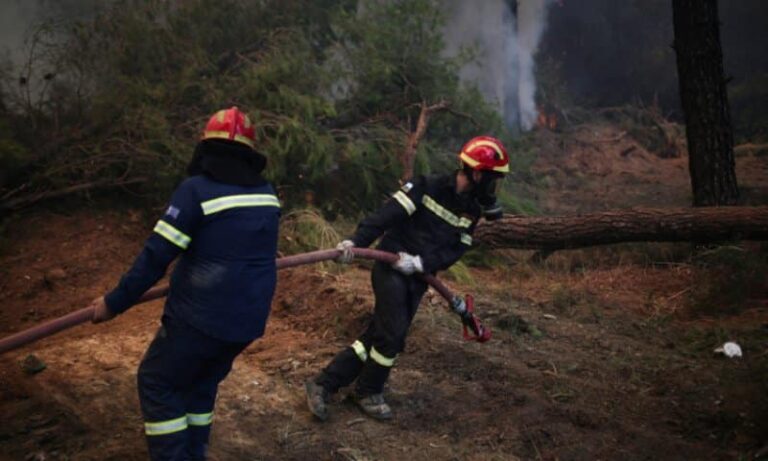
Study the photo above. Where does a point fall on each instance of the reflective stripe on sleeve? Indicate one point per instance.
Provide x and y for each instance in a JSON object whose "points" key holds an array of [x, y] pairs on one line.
{"points": [[173, 235], [405, 201], [359, 349], [239, 201], [466, 239], [445, 214], [166, 427], [200, 419], [381, 359]]}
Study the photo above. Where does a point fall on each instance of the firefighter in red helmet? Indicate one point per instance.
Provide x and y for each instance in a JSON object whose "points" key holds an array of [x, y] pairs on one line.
{"points": [[429, 223], [222, 224]]}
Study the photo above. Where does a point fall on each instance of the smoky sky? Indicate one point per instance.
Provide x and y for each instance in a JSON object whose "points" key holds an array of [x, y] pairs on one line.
{"points": [[19, 17]]}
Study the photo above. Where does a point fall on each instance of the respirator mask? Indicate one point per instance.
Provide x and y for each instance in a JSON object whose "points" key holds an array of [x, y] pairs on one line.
{"points": [[484, 191]]}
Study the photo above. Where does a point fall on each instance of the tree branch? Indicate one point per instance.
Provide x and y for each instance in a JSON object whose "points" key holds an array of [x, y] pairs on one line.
{"points": [[25, 201]]}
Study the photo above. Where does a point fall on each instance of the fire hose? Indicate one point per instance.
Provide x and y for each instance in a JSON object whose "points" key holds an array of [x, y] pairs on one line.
{"points": [[473, 329]]}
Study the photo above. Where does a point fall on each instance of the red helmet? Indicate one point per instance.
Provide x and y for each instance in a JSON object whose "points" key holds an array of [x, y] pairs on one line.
{"points": [[231, 124], [485, 153]]}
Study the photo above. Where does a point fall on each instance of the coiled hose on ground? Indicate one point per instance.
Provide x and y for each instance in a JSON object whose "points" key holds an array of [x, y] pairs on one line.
{"points": [[70, 320]]}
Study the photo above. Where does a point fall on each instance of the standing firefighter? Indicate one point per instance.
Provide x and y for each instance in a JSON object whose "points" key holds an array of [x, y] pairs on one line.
{"points": [[223, 221], [429, 224]]}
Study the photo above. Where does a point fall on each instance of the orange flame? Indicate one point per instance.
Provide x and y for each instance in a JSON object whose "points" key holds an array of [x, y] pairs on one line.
{"points": [[547, 119]]}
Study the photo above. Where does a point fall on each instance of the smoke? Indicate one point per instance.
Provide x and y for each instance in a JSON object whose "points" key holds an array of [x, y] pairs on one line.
{"points": [[15, 18], [19, 17], [506, 35], [531, 21]]}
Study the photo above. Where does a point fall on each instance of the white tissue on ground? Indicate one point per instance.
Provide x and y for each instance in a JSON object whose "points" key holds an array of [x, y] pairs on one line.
{"points": [[730, 349]]}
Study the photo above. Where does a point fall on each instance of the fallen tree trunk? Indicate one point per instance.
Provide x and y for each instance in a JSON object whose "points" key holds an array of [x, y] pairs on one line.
{"points": [[701, 225]]}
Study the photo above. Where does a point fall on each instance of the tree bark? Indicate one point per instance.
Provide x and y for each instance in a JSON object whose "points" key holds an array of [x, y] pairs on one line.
{"points": [[705, 102], [412, 142], [700, 225]]}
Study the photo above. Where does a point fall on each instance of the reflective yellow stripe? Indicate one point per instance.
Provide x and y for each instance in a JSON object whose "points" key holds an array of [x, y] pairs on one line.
{"points": [[225, 135], [473, 163], [199, 419], [381, 359], [175, 236], [405, 201], [468, 160], [237, 201], [359, 349], [449, 217], [166, 427], [466, 239], [485, 143]]}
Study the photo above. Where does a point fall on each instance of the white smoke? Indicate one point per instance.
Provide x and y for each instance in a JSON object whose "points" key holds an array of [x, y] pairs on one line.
{"points": [[506, 44], [15, 17], [531, 20], [19, 18]]}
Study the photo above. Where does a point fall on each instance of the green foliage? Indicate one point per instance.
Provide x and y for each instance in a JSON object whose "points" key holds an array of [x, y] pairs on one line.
{"points": [[393, 56], [333, 86]]}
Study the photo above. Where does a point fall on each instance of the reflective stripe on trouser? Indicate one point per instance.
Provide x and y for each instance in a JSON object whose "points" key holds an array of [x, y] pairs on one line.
{"points": [[198, 433], [397, 299], [166, 427], [178, 379], [199, 419]]}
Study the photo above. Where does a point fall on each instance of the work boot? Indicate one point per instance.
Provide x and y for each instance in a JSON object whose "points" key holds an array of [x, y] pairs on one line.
{"points": [[374, 406], [317, 399]]}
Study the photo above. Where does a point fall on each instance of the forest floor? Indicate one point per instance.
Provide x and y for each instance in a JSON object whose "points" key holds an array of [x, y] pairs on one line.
{"points": [[597, 354]]}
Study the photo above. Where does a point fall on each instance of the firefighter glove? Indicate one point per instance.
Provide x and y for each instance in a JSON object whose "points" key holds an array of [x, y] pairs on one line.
{"points": [[408, 263], [346, 255]]}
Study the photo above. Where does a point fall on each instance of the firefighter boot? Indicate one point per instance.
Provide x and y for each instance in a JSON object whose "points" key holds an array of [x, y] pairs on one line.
{"points": [[317, 399], [374, 406]]}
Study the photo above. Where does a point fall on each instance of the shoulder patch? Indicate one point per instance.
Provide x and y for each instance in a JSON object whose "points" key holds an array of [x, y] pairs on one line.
{"points": [[173, 212], [407, 187]]}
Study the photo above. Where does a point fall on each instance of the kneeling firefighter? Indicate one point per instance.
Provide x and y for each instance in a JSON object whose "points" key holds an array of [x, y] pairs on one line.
{"points": [[429, 222], [223, 221]]}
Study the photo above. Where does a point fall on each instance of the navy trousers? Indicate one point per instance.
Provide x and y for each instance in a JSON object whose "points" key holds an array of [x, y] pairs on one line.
{"points": [[371, 357], [178, 379]]}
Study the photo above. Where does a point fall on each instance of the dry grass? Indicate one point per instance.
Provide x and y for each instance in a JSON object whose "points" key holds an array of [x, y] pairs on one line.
{"points": [[307, 230]]}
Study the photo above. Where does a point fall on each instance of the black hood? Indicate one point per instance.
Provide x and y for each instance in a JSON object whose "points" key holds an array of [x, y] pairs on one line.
{"points": [[228, 162]]}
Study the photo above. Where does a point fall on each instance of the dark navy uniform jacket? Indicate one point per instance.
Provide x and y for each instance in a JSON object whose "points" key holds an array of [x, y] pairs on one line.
{"points": [[426, 217], [225, 279]]}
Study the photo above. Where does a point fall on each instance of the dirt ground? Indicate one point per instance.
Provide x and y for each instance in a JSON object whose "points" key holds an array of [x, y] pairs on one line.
{"points": [[599, 167], [602, 354]]}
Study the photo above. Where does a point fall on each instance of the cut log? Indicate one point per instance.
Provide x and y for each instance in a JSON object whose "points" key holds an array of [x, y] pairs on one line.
{"points": [[700, 225]]}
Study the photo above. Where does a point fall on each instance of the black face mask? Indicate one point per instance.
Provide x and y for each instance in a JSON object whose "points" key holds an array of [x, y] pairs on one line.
{"points": [[484, 191], [228, 162]]}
